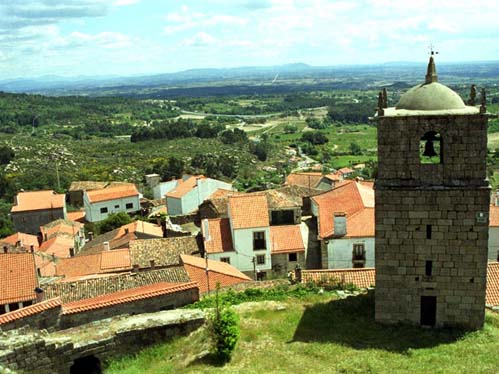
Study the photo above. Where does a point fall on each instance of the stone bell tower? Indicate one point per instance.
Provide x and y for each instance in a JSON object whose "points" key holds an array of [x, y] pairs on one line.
{"points": [[432, 204]]}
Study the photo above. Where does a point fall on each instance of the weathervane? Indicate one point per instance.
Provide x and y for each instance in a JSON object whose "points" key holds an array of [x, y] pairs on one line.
{"points": [[432, 50]]}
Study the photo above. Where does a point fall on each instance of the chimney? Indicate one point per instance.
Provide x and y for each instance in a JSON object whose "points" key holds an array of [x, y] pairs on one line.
{"points": [[31, 248], [340, 223], [126, 230], [40, 294], [5, 249], [90, 236], [135, 268], [45, 237], [71, 252], [19, 243], [153, 264], [106, 246]]}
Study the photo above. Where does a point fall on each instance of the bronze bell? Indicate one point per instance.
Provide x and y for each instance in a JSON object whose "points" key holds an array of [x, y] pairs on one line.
{"points": [[429, 151]]}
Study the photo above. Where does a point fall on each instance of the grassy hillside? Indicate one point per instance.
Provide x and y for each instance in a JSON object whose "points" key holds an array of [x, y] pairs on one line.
{"points": [[323, 334]]}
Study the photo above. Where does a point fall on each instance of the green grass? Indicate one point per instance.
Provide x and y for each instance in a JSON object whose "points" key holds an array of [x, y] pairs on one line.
{"points": [[322, 334]]}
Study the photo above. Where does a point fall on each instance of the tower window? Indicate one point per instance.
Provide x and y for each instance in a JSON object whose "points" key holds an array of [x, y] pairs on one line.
{"points": [[428, 231], [429, 268], [430, 148]]}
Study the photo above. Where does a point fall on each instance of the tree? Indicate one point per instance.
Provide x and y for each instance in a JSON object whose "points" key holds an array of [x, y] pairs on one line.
{"points": [[290, 129], [113, 221], [6, 155], [355, 149], [315, 123], [314, 137]]}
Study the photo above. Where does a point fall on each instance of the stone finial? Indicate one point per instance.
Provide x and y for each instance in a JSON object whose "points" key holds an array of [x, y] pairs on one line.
{"points": [[381, 112], [472, 95], [483, 106], [385, 98], [431, 73]]}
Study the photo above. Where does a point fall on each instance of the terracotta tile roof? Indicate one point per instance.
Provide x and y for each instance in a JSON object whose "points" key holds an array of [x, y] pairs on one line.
{"points": [[38, 200], [361, 278], [248, 211], [112, 192], [127, 296], [141, 227], [494, 216], [221, 272], [45, 263], [286, 239], [353, 198], [61, 226], [58, 246], [87, 185], [30, 310], [104, 262], [279, 200], [184, 186], [164, 251], [26, 240], [492, 297], [93, 287], [222, 192], [220, 236], [18, 278], [335, 177], [311, 179], [78, 216], [345, 171]]}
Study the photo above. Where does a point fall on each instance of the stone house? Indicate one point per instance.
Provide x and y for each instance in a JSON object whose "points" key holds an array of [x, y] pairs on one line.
{"points": [[20, 240], [315, 180], [34, 209], [62, 238], [18, 281], [100, 203], [77, 188], [345, 220], [189, 193]]}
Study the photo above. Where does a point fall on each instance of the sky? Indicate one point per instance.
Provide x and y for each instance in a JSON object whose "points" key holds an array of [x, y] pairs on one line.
{"points": [[139, 37]]}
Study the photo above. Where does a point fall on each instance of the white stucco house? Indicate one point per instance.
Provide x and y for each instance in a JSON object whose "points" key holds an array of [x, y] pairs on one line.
{"points": [[160, 190], [345, 220], [190, 192], [247, 240], [100, 203]]}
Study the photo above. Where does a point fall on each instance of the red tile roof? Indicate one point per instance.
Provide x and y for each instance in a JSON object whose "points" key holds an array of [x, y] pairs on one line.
{"points": [[309, 180], [219, 272], [78, 216], [61, 226], [286, 239], [353, 198], [221, 192], [248, 211], [38, 200], [58, 246], [220, 236], [492, 297], [494, 216], [26, 240], [103, 262], [345, 171], [112, 192], [185, 186], [361, 278], [30, 310], [141, 227], [127, 296], [18, 278]]}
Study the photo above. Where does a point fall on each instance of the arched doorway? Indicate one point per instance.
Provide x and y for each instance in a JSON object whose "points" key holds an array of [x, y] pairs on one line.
{"points": [[86, 365]]}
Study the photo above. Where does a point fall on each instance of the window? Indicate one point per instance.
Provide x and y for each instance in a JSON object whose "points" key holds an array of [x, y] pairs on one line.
{"points": [[292, 257], [430, 148], [259, 240], [129, 205], [225, 259], [283, 217], [260, 260], [428, 231], [359, 255], [103, 210], [429, 268], [116, 207]]}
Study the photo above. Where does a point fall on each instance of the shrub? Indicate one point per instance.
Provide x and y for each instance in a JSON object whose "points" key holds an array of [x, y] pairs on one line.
{"points": [[225, 330]]}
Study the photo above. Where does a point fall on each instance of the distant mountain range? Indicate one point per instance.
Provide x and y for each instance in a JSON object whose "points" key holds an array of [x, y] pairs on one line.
{"points": [[393, 73]]}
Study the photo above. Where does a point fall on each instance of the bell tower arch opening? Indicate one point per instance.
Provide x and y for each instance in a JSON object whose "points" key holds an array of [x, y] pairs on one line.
{"points": [[431, 148]]}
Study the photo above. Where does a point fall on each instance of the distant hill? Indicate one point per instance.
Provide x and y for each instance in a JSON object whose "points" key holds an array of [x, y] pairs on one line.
{"points": [[251, 80]]}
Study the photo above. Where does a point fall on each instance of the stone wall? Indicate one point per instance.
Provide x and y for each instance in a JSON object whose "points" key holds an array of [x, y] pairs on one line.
{"points": [[35, 353], [153, 304], [47, 319], [281, 265], [30, 222]]}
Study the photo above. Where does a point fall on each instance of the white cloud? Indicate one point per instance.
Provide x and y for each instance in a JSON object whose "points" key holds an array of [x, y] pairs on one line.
{"points": [[125, 2], [201, 39]]}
